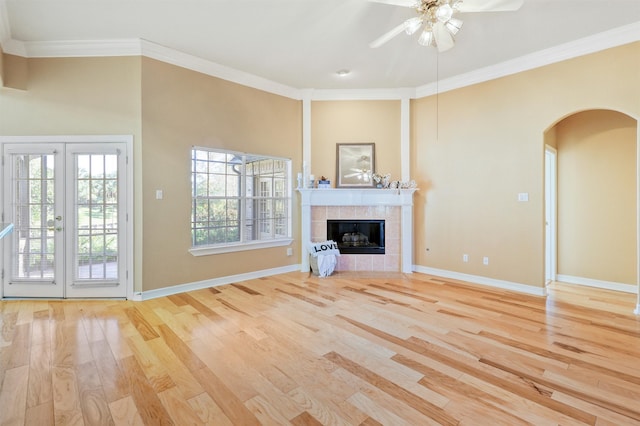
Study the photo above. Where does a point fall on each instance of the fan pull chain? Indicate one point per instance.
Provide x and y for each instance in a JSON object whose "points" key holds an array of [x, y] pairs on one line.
{"points": [[437, 96]]}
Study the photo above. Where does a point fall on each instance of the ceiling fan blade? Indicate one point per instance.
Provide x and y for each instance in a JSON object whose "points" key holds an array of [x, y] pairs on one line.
{"points": [[444, 39], [388, 36], [403, 3], [489, 5]]}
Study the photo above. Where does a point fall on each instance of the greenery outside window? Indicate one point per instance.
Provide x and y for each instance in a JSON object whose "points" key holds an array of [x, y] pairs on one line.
{"points": [[239, 201]]}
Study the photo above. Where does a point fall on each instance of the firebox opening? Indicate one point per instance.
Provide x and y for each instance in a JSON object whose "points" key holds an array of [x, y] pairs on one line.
{"points": [[357, 236]]}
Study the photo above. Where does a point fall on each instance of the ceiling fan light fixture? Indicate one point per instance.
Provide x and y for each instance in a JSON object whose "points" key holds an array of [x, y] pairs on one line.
{"points": [[453, 25], [444, 13], [426, 38], [412, 25], [436, 19]]}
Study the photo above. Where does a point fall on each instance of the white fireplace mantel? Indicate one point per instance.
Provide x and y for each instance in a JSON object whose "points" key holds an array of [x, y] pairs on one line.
{"points": [[360, 197]]}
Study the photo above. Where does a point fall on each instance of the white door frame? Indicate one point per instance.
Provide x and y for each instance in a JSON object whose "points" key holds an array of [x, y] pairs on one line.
{"points": [[637, 309], [128, 141], [551, 200]]}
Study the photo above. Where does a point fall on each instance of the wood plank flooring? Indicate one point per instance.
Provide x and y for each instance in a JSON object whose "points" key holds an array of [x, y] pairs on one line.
{"points": [[345, 350]]}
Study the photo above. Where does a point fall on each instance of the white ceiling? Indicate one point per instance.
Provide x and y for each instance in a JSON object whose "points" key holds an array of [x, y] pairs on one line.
{"points": [[302, 43]]}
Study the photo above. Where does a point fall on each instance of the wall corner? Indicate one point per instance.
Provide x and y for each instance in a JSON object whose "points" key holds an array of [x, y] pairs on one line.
{"points": [[15, 72]]}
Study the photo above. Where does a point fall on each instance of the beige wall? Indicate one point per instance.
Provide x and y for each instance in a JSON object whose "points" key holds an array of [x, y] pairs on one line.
{"points": [[15, 72], [1, 67], [74, 96], [597, 196], [550, 138], [181, 109], [489, 146], [334, 122]]}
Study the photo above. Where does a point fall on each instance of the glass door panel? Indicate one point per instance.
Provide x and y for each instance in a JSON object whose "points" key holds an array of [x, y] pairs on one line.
{"points": [[33, 205], [96, 205]]}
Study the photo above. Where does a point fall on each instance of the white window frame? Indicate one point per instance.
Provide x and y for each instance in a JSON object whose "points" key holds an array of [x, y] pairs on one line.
{"points": [[244, 244]]}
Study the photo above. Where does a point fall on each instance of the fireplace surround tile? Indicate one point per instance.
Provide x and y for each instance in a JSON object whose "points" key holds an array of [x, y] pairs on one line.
{"points": [[361, 262], [346, 262], [394, 206], [364, 262], [342, 212], [319, 213], [392, 263]]}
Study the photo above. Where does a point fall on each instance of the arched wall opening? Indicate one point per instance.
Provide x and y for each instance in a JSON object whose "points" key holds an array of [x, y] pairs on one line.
{"points": [[597, 199]]}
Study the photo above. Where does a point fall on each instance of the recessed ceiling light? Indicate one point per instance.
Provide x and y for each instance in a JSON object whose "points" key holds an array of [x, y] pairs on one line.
{"points": [[342, 73]]}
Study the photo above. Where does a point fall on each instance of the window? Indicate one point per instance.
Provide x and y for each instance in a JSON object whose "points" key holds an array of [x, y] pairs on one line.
{"points": [[239, 201]]}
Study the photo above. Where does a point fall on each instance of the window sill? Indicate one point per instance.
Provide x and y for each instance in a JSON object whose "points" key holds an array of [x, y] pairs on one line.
{"points": [[230, 248]]}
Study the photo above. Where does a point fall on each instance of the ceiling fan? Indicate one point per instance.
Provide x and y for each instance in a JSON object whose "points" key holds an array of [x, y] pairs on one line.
{"points": [[438, 19]]}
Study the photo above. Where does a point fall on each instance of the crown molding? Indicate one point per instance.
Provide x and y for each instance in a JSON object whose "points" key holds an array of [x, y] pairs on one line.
{"points": [[194, 63], [362, 94], [82, 48], [14, 47], [595, 43], [137, 47]]}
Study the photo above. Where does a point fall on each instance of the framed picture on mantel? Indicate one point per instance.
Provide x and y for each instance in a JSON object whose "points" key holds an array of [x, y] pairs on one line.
{"points": [[355, 165]]}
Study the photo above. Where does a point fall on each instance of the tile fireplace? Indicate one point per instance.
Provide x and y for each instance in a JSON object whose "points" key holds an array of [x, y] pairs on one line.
{"points": [[393, 206]]}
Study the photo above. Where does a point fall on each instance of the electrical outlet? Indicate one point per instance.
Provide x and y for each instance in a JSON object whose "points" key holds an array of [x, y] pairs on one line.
{"points": [[485, 260], [289, 251], [465, 258]]}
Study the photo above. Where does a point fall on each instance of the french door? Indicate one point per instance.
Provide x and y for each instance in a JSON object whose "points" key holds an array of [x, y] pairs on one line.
{"points": [[67, 202]]}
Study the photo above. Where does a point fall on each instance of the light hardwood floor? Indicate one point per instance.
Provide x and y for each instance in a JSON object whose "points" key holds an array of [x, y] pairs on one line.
{"points": [[301, 350]]}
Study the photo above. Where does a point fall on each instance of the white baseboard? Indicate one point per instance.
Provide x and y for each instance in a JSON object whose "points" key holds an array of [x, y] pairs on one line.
{"points": [[606, 285], [475, 279], [214, 282]]}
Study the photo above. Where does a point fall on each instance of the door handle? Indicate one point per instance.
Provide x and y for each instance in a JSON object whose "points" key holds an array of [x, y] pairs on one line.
{"points": [[51, 225]]}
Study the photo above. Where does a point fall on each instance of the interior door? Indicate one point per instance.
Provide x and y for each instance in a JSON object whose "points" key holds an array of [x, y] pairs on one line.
{"points": [[67, 204]]}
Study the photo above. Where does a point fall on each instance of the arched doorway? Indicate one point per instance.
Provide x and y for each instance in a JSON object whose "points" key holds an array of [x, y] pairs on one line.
{"points": [[597, 199]]}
